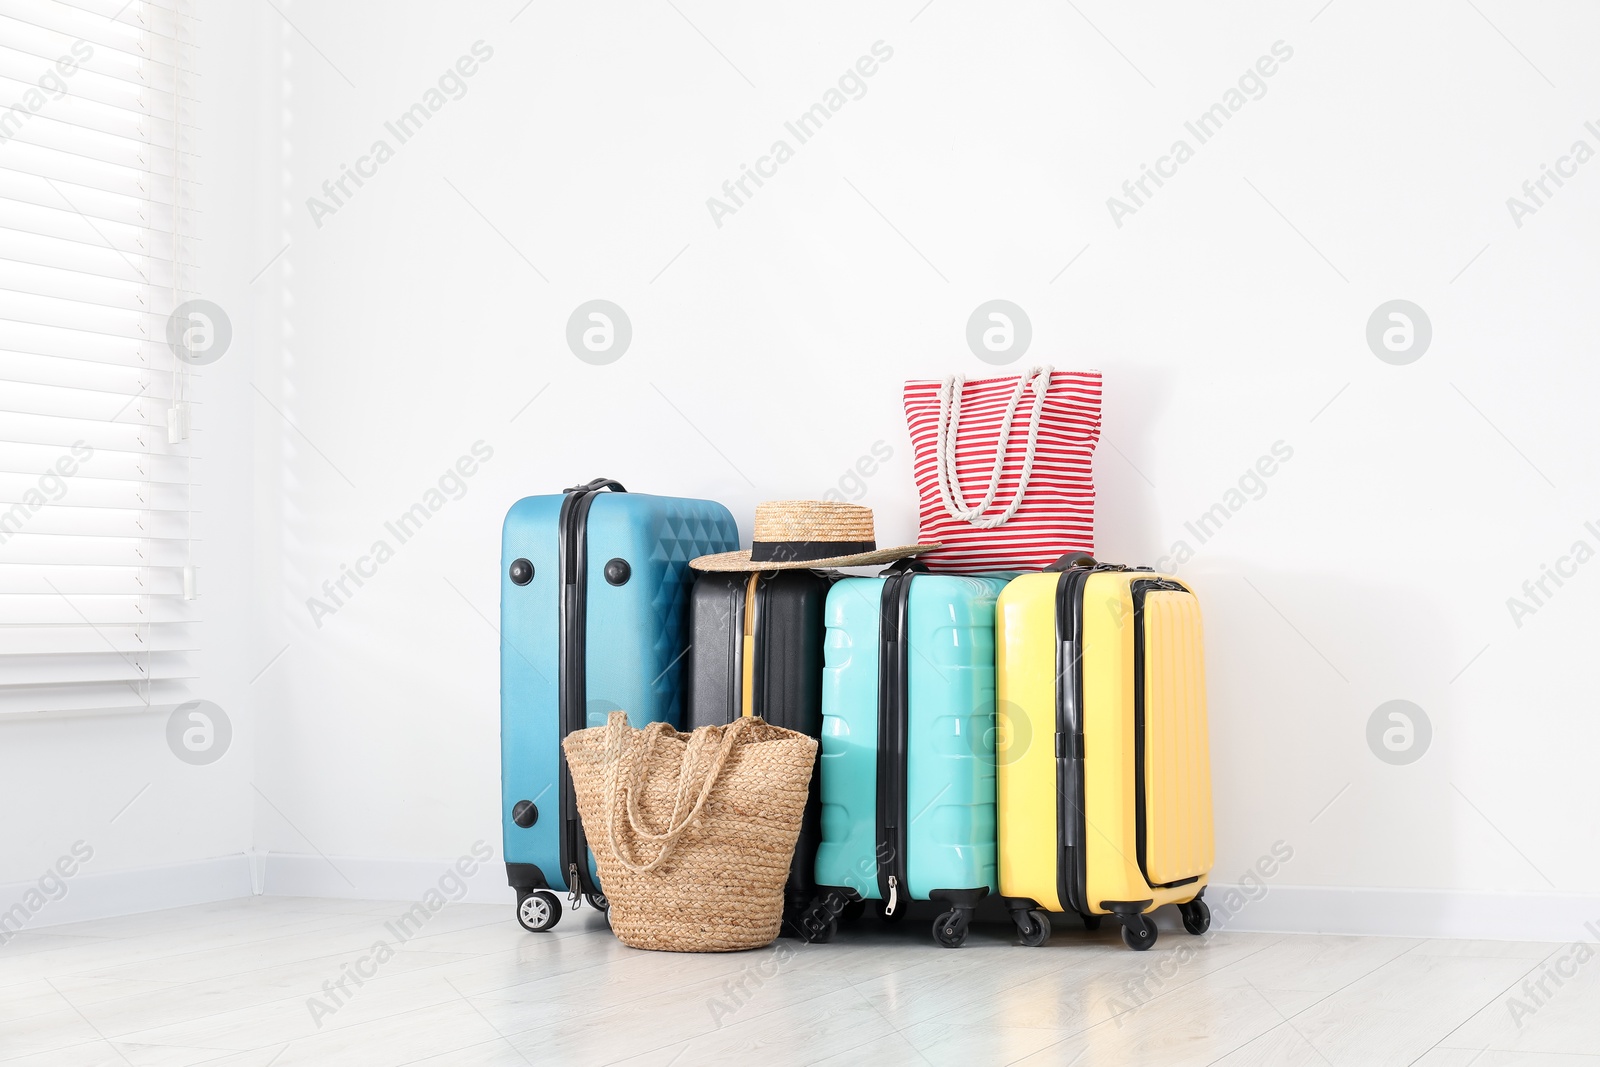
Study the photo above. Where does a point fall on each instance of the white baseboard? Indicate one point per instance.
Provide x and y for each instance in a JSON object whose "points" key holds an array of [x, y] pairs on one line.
{"points": [[1270, 909], [1302, 909], [353, 878], [108, 894]]}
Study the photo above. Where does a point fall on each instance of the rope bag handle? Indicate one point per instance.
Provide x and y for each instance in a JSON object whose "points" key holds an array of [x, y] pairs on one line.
{"points": [[950, 491]]}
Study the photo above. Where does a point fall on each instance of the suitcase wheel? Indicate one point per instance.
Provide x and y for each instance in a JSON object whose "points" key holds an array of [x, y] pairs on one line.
{"points": [[538, 909], [1091, 923], [817, 922], [1196, 916], [1033, 927], [597, 901], [1138, 931], [853, 910], [950, 928]]}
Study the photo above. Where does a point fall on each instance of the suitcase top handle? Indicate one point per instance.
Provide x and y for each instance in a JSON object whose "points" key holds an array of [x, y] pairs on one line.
{"points": [[1071, 560], [596, 485]]}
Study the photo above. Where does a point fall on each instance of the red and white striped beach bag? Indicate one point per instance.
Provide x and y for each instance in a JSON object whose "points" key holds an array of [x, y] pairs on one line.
{"points": [[1003, 467]]}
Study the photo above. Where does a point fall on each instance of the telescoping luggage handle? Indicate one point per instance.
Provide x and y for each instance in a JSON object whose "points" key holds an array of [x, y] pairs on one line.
{"points": [[572, 684], [596, 485], [1083, 559]]}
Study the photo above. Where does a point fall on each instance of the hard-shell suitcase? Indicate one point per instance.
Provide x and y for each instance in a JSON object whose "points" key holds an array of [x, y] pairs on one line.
{"points": [[908, 776], [1104, 766], [593, 607], [755, 648]]}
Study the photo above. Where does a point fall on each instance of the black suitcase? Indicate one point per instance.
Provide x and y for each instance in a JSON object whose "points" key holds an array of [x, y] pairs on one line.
{"points": [[755, 648]]}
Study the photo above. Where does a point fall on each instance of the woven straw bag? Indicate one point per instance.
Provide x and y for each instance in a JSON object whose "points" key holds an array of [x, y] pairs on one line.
{"points": [[693, 833]]}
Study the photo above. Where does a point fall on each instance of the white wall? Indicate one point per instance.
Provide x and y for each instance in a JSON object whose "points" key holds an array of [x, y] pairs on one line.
{"points": [[1376, 566], [1227, 314]]}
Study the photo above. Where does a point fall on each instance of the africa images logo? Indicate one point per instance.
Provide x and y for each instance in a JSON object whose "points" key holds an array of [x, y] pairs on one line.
{"points": [[452, 485], [1251, 85], [451, 85], [802, 129]]}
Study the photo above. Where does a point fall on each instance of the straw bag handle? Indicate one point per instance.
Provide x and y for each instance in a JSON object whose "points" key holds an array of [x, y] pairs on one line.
{"points": [[691, 760], [676, 825], [679, 821], [950, 493]]}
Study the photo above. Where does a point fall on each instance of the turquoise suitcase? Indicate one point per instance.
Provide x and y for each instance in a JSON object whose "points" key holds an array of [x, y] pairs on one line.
{"points": [[593, 617], [908, 771]]}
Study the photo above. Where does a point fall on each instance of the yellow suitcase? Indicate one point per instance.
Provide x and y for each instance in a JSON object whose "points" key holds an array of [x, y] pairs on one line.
{"points": [[1103, 766]]}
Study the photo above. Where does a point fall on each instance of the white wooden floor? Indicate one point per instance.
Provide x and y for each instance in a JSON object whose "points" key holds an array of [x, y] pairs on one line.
{"points": [[229, 983]]}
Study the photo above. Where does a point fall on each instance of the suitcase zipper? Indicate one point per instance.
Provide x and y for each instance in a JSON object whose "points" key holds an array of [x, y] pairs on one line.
{"points": [[1139, 589], [572, 686], [893, 730], [1070, 887]]}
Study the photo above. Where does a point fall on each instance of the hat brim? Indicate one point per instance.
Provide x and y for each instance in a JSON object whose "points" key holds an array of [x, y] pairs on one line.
{"points": [[741, 561]]}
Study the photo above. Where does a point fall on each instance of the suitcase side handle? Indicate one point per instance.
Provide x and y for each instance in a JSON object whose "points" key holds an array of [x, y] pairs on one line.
{"points": [[1071, 560], [596, 485]]}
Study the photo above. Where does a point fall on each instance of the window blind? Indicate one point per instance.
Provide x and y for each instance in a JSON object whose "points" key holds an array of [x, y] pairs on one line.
{"points": [[97, 211]]}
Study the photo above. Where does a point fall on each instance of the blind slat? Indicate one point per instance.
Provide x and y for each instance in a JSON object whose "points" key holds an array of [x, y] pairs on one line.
{"points": [[105, 637], [27, 548], [94, 244], [107, 522], [62, 219], [22, 704], [94, 667], [19, 611], [82, 493], [56, 373], [84, 194], [140, 413], [78, 168], [95, 206], [111, 466], [106, 293], [56, 22], [61, 434], [50, 134], [54, 50], [89, 581], [23, 71], [110, 106]]}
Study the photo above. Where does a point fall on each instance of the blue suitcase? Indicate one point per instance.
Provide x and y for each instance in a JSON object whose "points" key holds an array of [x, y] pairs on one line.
{"points": [[593, 606], [908, 771]]}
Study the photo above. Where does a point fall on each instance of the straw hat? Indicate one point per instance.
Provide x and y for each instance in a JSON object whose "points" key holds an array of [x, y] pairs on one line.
{"points": [[796, 534]]}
